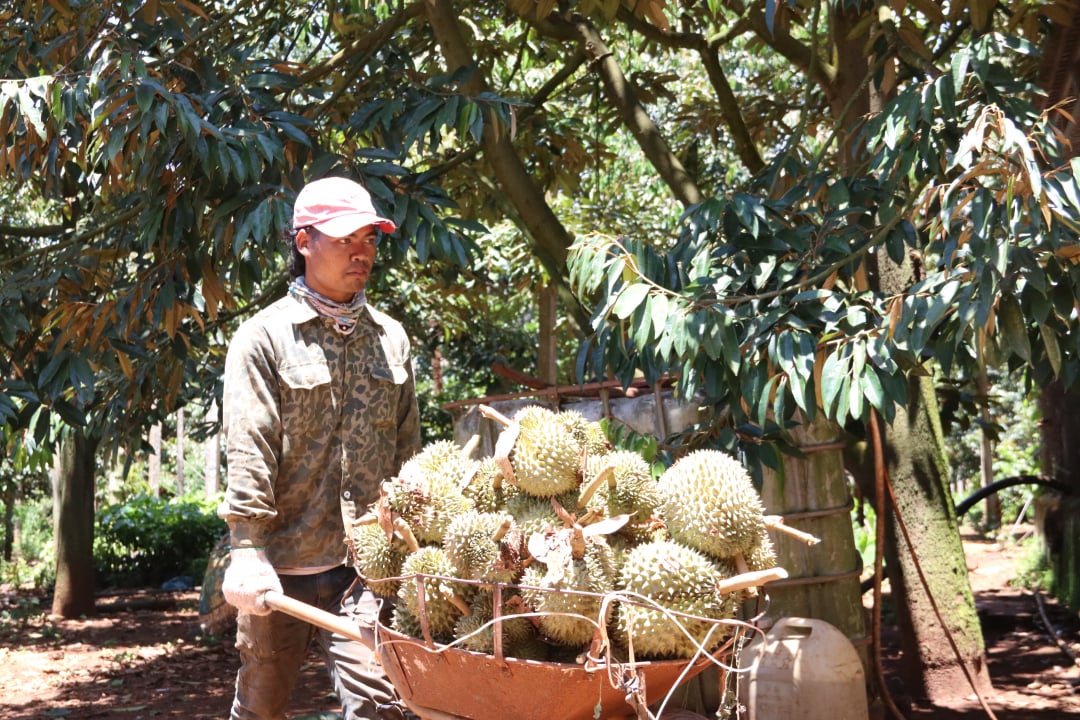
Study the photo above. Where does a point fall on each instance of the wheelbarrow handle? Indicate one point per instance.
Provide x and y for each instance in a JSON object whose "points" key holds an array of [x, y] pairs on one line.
{"points": [[320, 618]]}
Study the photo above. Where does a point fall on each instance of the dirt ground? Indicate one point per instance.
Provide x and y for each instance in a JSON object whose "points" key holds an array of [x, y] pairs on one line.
{"points": [[143, 656]]}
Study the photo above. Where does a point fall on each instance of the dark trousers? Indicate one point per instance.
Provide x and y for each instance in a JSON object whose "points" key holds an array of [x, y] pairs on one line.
{"points": [[273, 647]]}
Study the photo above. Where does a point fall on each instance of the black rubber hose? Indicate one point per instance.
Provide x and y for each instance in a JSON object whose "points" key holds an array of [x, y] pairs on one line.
{"points": [[982, 493]]}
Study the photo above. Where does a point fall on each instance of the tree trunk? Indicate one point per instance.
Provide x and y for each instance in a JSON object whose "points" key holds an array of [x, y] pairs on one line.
{"points": [[914, 450], [1058, 515], [927, 570], [153, 461], [180, 452], [212, 450], [73, 525], [547, 363], [9, 520], [986, 455]]}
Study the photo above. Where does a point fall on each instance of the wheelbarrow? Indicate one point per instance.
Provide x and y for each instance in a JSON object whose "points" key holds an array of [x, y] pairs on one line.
{"points": [[438, 682]]}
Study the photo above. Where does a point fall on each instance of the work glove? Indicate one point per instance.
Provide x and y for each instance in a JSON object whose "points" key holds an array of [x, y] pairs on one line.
{"points": [[247, 579]]}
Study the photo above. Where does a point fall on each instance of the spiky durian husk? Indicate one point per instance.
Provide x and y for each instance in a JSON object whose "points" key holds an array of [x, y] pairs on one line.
{"points": [[425, 498], [441, 612], [408, 624], [377, 557], [593, 573], [762, 556], [632, 490], [546, 458], [588, 434], [517, 632], [535, 514], [709, 503], [482, 490], [678, 578], [445, 459], [656, 635], [471, 546]]}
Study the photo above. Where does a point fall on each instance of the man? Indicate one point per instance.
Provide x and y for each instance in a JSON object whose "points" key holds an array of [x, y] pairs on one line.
{"points": [[319, 408]]}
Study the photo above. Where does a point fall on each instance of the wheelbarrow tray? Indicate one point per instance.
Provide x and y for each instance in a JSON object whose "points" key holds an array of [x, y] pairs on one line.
{"points": [[446, 682]]}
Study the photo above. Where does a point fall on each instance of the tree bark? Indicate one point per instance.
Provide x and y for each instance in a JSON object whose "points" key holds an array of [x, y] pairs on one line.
{"points": [[623, 98], [73, 525], [180, 452], [944, 654], [153, 461], [550, 238], [9, 520], [1058, 516]]}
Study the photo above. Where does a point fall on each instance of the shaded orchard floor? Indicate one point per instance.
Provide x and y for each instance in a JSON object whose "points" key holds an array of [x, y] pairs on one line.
{"points": [[142, 656]]}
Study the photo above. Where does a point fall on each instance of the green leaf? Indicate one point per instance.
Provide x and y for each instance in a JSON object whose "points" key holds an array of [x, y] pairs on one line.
{"points": [[658, 306], [872, 389], [629, 299], [1053, 351], [1011, 326], [833, 374]]}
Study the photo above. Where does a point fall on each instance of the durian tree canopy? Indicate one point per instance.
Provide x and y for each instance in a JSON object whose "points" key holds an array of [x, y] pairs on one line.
{"points": [[765, 305]]}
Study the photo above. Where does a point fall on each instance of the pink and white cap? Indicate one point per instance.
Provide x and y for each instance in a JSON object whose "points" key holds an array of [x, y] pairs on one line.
{"points": [[337, 207]]}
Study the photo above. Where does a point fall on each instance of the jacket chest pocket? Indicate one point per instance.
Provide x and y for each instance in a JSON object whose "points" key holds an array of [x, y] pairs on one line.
{"points": [[385, 383], [306, 393]]}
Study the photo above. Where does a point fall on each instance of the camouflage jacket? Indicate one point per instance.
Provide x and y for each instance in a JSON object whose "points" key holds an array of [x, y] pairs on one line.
{"points": [[314, 421]]}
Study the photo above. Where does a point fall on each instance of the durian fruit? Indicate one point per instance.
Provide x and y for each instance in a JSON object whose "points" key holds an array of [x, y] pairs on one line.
{"points": [[484, 546], [487, 488], [621, 483], [427, 490], [378, 556], [536, 514], [680, 579], [445, 459], [590, 435], [477, 631], [567, 584], [709, 503], [408, 624], [546, 459], [761, 556], [444, 600]]}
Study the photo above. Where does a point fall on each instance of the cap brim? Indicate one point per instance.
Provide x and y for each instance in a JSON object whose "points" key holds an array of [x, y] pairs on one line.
{"points": [[348, 224]]}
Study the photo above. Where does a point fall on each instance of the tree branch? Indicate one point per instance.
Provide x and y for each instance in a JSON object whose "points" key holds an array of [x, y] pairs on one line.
{"points": [[708, 49], [363, 44], [804, 57], [621, 95], [74, 239], [550, 238]]}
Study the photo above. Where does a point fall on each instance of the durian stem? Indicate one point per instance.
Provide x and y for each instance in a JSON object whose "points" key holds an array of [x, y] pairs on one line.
{"points": [[403, 529], [459, 603], [747, 580], [506, 470], [503, 528], [776, 522], [577, 542], [504, 447], [471, 445], [740, 564], [369, 518], [606, 474], [492, 414]]}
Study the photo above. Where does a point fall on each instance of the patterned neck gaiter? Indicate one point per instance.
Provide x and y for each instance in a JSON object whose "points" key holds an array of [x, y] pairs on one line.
{"points": [[344, 315]]}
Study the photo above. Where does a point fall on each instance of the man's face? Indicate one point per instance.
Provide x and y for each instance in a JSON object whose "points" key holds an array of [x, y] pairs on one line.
{"points": [[337, 267]]}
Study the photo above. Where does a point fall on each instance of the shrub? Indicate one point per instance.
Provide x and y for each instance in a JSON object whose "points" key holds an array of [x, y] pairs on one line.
{"points": [[147, 540]]}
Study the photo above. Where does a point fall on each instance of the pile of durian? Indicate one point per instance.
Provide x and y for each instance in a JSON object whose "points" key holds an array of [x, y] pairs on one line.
{"points": [[554, 525]]}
